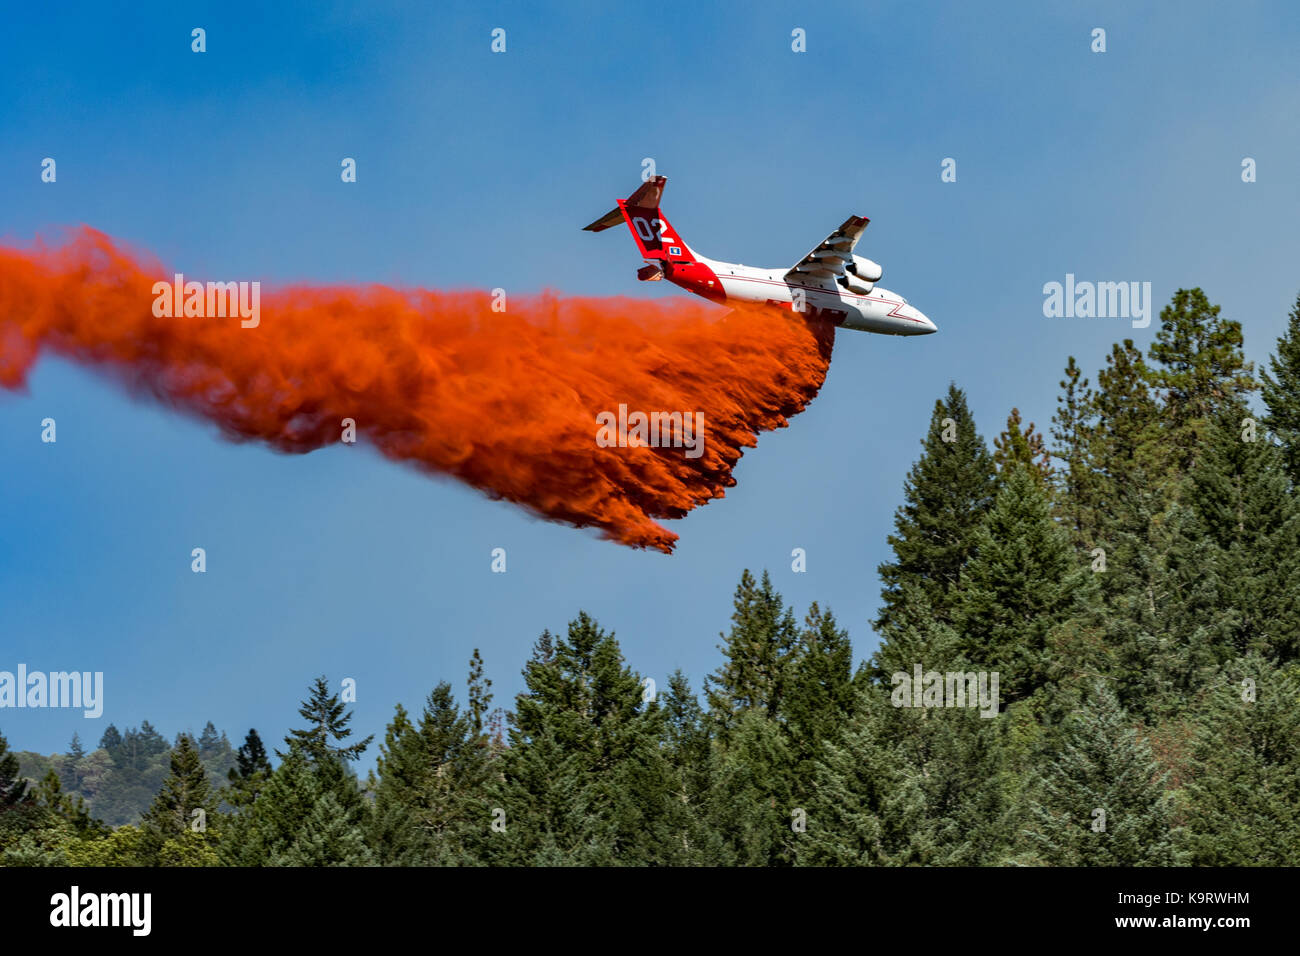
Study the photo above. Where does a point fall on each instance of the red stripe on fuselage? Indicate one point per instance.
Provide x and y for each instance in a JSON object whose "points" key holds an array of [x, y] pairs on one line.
{"points": [[893, 313]]}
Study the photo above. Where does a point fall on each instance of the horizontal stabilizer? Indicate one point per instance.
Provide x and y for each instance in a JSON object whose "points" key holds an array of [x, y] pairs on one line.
{"points": [[611, 218]]}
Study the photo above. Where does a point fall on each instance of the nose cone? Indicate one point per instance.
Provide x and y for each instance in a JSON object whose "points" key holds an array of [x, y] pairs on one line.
{"points": [[922, 325]]}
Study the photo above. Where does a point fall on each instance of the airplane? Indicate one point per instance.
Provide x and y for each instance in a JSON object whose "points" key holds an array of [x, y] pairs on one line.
{"points": [[829, 283]]}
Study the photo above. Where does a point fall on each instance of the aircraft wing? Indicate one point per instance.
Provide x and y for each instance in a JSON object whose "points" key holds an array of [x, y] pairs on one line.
{"points": [[827, 261]]}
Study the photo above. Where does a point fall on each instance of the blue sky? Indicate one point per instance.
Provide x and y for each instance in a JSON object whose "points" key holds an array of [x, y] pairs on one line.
{"points": [[478, 170]]}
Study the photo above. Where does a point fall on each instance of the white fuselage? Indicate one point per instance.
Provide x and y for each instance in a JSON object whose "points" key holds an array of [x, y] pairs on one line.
{"points": [[877, 310]]}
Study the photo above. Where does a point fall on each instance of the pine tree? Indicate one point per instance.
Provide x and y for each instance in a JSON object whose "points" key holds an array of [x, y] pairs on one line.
{"points": [[1130, 525], [1281, 391], [1102, 799], [1130, 447], [821, 692], [67, 808], [860, 813], [480, 695], [38, 831], [1198, 367], [688, 749], [530, 819], [209, 742], [475, 770], [917, 638], [429, 801], [946, 494], [31, 831], [753, 804], [1076, 484], [1021, 584], [13, 788], [111, 740], [1127, 419], [398, 769], [251, 757], [149, 741], [686, 737], [1213, 580], [326, 721], [1246, 529], [250, 772], [184, 792], [264, 833], [71, 778], [909, 786], [443, 804], [752, 697], [328, 837], [584, 779], [955, 784], [1023, 446], [757, 651], [1243, 800]]}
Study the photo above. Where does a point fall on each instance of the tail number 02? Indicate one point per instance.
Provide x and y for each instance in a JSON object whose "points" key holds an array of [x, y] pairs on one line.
{"points": [[650, 230]]}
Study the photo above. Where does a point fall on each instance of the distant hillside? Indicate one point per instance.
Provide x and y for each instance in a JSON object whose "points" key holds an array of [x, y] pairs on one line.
{"points": [[119, 779]]}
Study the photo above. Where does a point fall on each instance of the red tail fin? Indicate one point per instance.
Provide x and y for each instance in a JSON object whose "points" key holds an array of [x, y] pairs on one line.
{"points": [[654, 236]]}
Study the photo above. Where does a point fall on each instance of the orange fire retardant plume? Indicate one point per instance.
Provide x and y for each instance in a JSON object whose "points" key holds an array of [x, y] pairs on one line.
{"points": [[503, 401]]}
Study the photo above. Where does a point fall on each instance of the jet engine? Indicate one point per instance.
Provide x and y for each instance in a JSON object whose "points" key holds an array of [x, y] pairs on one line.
{"points": [[861, 275], [865, 269]]}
